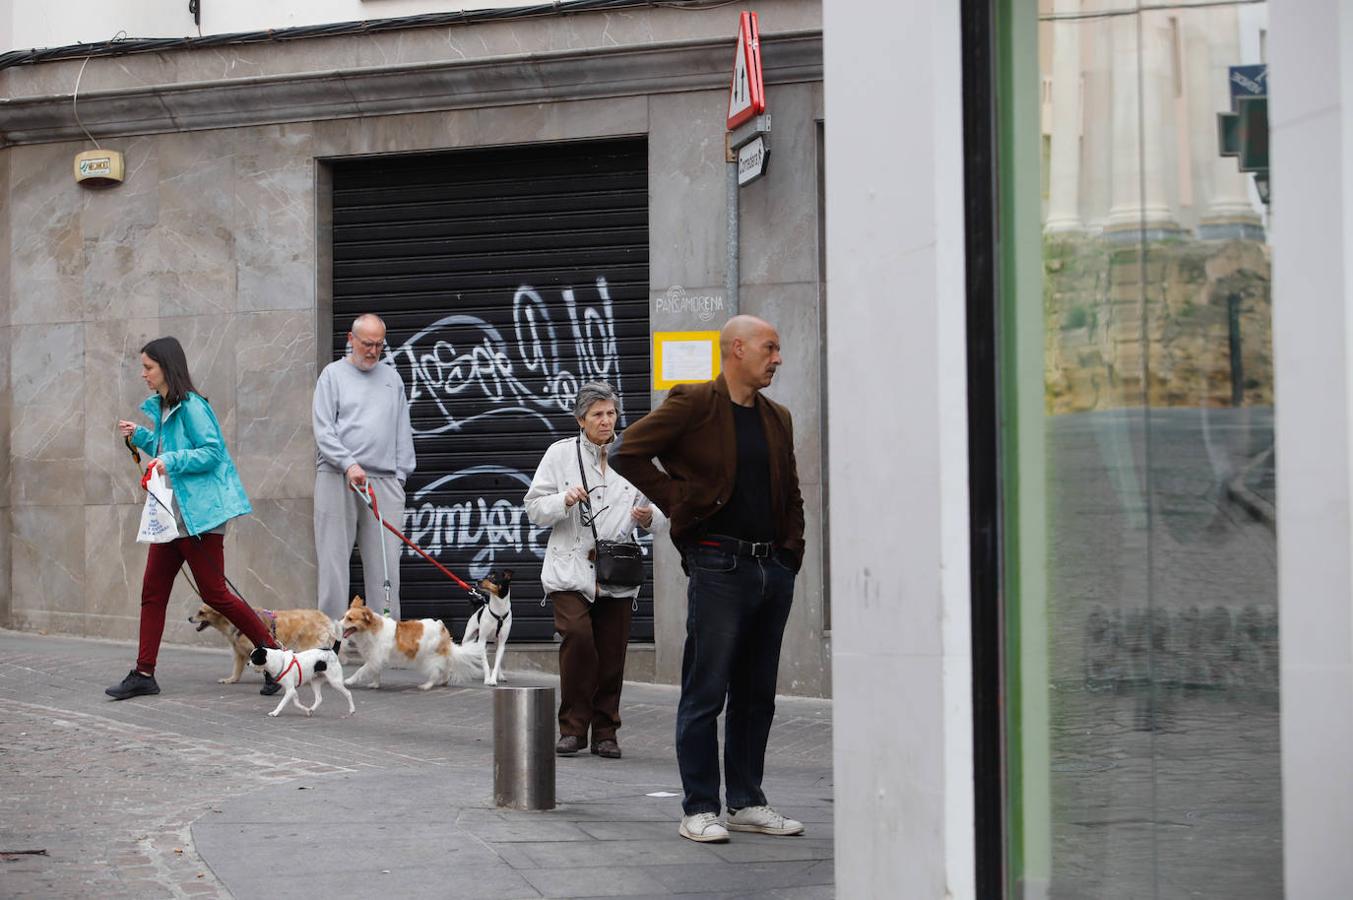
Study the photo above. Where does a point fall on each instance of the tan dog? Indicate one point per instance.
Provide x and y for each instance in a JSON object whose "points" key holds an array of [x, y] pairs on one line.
{"points": [[295, 629]]}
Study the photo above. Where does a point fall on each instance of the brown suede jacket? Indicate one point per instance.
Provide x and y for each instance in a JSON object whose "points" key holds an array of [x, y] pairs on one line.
{"points": [[692, 434]]}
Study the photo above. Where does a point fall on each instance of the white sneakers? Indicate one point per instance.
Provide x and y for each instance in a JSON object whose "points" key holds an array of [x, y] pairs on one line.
{"points": [[764, 820], [706, 828], [703, 827]]}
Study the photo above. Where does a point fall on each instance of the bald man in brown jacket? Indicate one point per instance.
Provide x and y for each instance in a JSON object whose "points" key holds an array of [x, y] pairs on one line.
{"points": [[730, 486]]}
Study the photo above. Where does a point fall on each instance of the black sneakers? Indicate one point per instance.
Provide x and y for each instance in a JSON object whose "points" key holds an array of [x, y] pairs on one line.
{"points": [[270, 686], [134, 685]]}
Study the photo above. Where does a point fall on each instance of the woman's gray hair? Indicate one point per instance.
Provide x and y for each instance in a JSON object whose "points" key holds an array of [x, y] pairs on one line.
{"points": [[590, 393]]}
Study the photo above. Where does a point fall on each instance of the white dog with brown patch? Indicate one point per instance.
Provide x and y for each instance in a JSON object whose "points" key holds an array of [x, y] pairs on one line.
{"points": [[291, 670], [424, 642]]}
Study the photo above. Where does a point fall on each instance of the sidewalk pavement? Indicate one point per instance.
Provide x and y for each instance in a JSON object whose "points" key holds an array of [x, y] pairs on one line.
{"points": [[197, 793]]}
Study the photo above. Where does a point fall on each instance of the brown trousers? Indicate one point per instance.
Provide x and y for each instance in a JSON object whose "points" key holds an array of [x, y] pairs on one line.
{"points": [[591, 662]]}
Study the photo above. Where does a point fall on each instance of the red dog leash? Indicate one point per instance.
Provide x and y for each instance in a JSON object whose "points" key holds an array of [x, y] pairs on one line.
{"points": [[370, 502]]}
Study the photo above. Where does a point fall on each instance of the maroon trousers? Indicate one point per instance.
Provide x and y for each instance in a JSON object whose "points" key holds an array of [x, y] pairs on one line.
{"points": [[591, 663], [206, 558]]}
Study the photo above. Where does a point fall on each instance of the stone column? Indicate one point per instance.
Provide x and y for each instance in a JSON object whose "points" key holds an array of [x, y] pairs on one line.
{"points": [[1228, 213], [1140, 200], [1065, 164]]}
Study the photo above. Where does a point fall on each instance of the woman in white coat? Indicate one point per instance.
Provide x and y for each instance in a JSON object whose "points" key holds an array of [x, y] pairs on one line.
{"points": [[592, 619]]}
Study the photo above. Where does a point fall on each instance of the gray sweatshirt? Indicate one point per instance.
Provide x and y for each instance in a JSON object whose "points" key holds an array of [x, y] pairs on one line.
{"points": [[363, 417]]}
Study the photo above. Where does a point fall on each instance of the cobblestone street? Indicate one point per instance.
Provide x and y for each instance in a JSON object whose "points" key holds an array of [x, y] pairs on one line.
{"points": [[196, 793]]}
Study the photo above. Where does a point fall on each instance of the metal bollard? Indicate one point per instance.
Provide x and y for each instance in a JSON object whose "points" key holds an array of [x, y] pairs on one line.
{"points": [[523, 747]]}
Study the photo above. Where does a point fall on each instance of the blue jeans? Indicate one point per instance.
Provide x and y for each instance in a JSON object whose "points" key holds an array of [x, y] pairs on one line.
{"points": [[736, 608]]}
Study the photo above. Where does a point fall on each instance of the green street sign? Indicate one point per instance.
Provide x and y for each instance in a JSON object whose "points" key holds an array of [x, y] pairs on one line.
{"points": [[1228, 133], [1253, 115]]}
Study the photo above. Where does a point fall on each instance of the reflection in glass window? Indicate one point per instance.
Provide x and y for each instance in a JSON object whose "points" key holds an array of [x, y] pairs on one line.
{"points": [[1143, 730]]}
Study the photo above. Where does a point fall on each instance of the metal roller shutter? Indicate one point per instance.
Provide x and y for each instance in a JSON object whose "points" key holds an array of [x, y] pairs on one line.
{"points": [[506, 277]]}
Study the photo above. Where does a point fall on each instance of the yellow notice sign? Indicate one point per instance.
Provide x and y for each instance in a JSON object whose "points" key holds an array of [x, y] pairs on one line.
{"points": [[684, 357]]}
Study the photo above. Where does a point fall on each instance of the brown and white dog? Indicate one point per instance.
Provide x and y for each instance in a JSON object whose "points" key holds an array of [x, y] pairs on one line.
{"points": [[424, 642], [295, 629], [492, 620]]}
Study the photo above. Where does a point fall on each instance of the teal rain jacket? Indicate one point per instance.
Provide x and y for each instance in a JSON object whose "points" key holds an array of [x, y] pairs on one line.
{"points": [[201, 473]]}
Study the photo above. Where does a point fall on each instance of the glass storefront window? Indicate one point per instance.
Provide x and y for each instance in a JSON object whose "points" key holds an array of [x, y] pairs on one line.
{"points": [[1141, 619]]}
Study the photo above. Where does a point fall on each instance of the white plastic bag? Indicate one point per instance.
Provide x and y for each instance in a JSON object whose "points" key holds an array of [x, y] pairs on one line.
{"points": [[157, 522]]}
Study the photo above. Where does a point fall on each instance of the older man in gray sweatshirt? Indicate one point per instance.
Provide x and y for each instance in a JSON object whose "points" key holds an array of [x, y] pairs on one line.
{"points": [[362, 436]]}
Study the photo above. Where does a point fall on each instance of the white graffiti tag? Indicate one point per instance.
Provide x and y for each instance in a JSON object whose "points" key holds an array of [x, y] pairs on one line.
{"points": [[489, 526], [468, 370]]}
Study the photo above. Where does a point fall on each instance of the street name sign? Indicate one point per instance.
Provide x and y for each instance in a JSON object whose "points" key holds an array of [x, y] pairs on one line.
{"points": [[746, 95], [1247, 81], [752, 157]]}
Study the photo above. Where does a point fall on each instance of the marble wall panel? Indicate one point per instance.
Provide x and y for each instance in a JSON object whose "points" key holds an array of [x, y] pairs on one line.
{"points": [[273, 562], [46, 236], [196, 229], [114, 390], [274, 218], [6, 591], [123, 267], [778, 235], [669, 611], [275, 365], [5, 419], [793, 310], [687, 208], [46, 431], [6, 248], [805, 667], [210, 343], [113, 564], [526, 123], [48, 565]]}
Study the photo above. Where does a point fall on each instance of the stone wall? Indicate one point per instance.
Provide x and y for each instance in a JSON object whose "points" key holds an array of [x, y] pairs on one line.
{"points": [[1104, 301]]}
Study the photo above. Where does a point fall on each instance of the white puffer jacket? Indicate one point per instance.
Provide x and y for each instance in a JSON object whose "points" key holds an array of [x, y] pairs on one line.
{"points": [[567, 567]]}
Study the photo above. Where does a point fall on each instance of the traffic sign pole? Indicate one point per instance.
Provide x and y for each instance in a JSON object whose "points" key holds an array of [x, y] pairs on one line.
{"points": [[746, 102]]}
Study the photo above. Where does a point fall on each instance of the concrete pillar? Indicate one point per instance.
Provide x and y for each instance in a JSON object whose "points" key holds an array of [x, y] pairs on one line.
{"points": [[899, 546], [1142, 72], [1311, 125], [1065, 165], [1096, 44]]}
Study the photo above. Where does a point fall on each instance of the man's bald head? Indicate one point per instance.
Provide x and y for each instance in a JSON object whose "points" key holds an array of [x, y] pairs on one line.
{"points": [[749, 349], [741, 328]]}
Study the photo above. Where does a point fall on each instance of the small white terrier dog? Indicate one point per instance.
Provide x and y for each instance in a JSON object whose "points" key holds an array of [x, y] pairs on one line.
{"points": [[291, 670]]}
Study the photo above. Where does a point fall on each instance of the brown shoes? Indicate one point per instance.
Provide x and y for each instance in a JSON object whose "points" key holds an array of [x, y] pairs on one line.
{"points": [[570, 744], [607, 749]]}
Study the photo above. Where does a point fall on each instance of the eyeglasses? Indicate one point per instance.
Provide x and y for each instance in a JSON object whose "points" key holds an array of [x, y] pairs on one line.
{"points": [[586, 514], [375, 346]]}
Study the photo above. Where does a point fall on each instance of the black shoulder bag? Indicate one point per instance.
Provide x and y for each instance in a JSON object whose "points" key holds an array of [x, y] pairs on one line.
{"points": [[620, 564]]}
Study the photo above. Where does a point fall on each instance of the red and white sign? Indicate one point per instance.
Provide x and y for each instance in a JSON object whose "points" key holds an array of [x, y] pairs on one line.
{"points": [[747, 96]]}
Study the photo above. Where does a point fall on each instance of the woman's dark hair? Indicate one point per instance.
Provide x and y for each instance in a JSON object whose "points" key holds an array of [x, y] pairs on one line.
{"points": [[168, 354]]}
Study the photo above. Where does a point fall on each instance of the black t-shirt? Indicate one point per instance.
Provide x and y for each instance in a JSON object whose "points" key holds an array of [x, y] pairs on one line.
{"points": [[747, 514]]}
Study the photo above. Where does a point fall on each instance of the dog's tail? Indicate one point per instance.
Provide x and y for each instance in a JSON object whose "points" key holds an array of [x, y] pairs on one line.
{"points": [[467, 662]]}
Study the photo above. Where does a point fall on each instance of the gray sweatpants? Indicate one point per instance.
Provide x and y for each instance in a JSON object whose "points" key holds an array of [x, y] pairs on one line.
{"points": [[341, 517]]}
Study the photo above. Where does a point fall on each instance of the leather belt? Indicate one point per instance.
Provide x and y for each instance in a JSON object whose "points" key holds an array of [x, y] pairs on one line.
{"points": [[754, 549]]}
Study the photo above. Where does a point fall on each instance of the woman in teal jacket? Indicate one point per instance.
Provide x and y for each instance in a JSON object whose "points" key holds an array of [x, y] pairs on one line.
{"points": [[187, 447]]}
